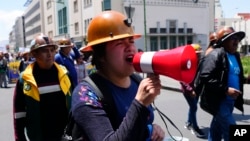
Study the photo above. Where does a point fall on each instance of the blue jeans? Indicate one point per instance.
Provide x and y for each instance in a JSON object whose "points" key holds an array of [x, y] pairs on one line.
{"points": [[219, 127], [192, 102]]}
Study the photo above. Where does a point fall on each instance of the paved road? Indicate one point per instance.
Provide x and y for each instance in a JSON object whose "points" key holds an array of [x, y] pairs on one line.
{"points": [[170, 102], [6, 116]]}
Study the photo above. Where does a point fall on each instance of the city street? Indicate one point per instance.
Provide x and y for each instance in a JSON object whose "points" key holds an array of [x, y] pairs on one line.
{"points": [[170, 102]]}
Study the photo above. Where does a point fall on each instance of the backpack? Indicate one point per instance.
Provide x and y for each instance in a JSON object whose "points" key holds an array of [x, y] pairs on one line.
{"points": [[199, 88], [198, 85], [72, 131], [211, 96]]}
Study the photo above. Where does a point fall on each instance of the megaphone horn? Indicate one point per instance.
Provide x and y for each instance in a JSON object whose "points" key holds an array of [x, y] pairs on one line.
{"points": [[179, 63]]}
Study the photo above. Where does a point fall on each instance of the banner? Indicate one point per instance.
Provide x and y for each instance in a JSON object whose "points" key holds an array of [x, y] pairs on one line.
{"points": [[90, 68], [13, 71]]}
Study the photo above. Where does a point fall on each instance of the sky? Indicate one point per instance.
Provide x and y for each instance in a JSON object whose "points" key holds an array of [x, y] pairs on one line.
{"points": [[232, 7], [11, 9]]}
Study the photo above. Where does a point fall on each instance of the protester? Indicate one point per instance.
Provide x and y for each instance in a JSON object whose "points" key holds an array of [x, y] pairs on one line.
{"points": [[222, 76], [192, 99], [25, 59], [3, 70], [66, 56], [212, 42], [42, 96], [132, 116], [81, 68], [8, 58]]}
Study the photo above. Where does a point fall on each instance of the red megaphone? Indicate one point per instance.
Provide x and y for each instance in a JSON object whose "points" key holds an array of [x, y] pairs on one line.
{"points": [[179, 63]]}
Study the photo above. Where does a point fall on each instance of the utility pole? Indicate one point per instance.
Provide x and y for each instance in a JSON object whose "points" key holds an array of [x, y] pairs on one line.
{"points": [[145, 26], [24, 36]]}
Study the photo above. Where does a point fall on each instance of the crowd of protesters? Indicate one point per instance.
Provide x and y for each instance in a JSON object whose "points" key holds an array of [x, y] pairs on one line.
{"points": [[50, 74], [12, 64]]}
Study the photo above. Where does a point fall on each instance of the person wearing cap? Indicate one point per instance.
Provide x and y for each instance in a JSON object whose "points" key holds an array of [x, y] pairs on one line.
{"points": [[222, 76], [25, 61], [212, 42], [66, 56], [111, 38], [42, 96], [192, 99]]}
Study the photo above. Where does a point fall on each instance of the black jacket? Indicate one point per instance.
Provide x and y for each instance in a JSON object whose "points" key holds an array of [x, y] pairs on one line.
{"points": [[214, 74]]}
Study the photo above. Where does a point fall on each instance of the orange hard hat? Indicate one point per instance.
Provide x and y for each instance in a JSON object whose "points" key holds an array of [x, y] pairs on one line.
{"points": [[65, 42], [213, 37], [108, 26], [41, 40]]}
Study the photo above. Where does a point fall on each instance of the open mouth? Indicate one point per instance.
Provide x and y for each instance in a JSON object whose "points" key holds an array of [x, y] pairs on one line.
{"points": [[129, 58]]}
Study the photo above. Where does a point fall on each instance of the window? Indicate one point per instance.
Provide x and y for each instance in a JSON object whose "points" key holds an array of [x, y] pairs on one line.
{"points": [[172, 42], [87, 3], [189, 39], [172, 23], [181, 30], [50, 19], [76, 28], [153, 44], [172, 30], [106, 5], [163, 43], [86, 24], [163, 30], [75, 6], [48, 4], [50, 34], [189, 30], [172, 26], [62, 21], [181, 41], [152, 30]]}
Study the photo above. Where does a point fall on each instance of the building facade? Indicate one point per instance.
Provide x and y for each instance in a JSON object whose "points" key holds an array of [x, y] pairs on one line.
{"points": [[33, 19], [164, 24]]}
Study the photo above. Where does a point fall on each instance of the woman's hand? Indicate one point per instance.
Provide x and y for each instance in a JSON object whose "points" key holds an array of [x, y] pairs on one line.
{"points": [[148, 89], [233, 92], [158, 133]]}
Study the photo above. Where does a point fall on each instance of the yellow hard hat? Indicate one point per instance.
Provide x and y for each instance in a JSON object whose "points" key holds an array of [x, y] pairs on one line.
{"points": [[197, 48], [108, 26]]}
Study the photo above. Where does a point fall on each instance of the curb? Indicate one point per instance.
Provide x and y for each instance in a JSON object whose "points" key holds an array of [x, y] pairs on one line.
{"points": [[171, 88]]}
